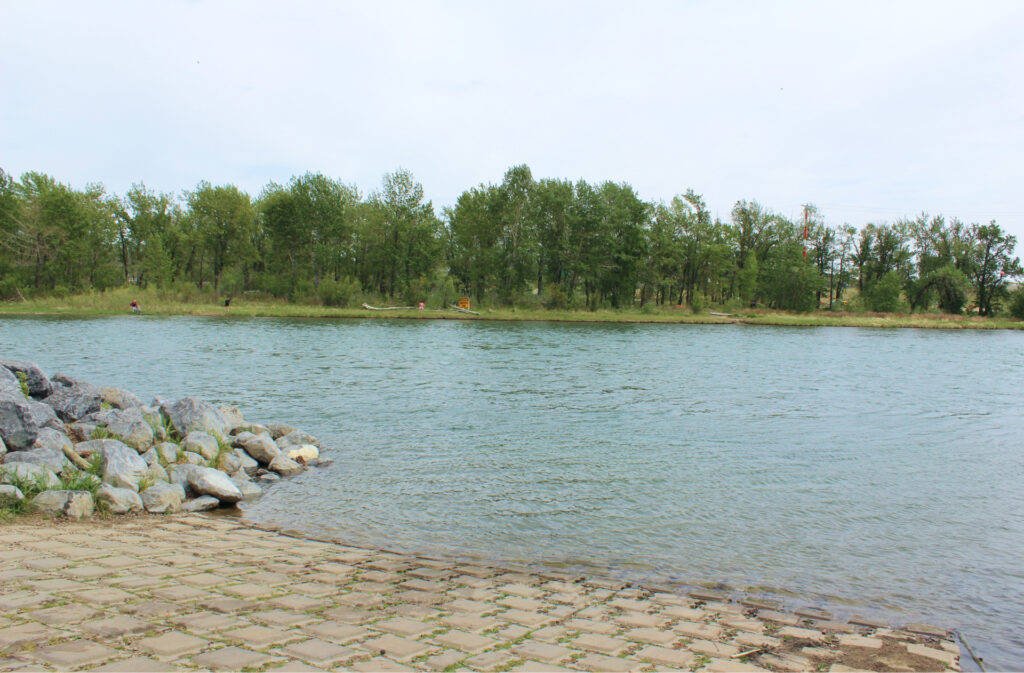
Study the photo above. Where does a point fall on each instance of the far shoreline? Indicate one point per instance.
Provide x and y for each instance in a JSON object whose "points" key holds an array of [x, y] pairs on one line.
{"points": [[77, 308]]}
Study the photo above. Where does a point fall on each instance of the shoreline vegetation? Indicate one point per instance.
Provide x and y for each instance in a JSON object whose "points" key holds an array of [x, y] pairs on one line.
{"points": [[579, 250], [160, 303]]}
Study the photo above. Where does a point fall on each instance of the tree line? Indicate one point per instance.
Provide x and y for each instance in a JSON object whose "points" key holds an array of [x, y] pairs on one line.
{"points": [[522, 242]]}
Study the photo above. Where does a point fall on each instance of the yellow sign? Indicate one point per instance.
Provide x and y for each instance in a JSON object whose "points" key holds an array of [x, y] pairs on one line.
{"points": [[464, 302]]}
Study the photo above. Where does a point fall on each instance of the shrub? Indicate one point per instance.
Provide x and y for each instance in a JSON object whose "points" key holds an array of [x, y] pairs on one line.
{"points": [[1017, 303]]}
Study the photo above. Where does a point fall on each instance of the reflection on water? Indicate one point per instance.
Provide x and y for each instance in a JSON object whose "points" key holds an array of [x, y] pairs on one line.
{"points": [[879, 467]]}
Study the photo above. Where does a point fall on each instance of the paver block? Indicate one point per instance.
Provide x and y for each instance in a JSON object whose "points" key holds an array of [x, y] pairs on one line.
{"points": [[172, 644], [724, 608], [778, 617], [151, 609], [467, 642], [601, 643], [694, 630], [402, 649], [754, 640], [204, 579], [711, 648], [380, 665], [420, 597], [488, 661], [651, 636], [281, 617], [524, 590], [231, 659], [731, 666], [25, 634], [136, 665], [639, 619], [205, 622], [632, 605], [22, 600], [520, 603], [64, 614], [228, 605], [466, 605], [542, 652], [605, 664], [115, 627], [945, 657], [742, 624], [869, 622], [403, 626], [297, 602], [442, 661], [261, 636], [690, 614], [74, 653], [321, 653], [531, 619], [349, 615], [592, 626], [473, 621], [666, 656], [336, 632], [801, 634], [417, 612], [549, 634], [860, 641], [356, 599]]}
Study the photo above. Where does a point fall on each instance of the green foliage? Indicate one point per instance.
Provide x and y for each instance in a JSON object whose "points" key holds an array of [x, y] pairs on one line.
{"points": [[23, 382], [73, 479], [884, 294], [1017, 303], [522, 243], [101, 432]]}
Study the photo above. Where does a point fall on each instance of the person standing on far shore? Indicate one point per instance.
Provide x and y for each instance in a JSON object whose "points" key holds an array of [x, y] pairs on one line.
{"points": [[135, 307]]}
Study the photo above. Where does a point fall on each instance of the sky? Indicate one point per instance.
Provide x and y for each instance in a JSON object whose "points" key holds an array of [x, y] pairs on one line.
{"points": [[871, 111]]}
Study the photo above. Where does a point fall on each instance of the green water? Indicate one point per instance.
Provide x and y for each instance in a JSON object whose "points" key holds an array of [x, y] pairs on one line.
{"points": [[868, 471]]}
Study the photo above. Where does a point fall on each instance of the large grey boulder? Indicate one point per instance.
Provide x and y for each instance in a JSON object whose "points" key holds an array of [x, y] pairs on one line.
{"points": [[11, 471], [119, 399], [190, 413], [285, 466], [11, 492], [73, 399], [231, 415], [261, 447], [48, 438], [254, 428], [167, 452], [3, 449], [72, 504], [246, 462], [119, 500], [122, 465], [18, 420], [210, 481], [9, 383], [250, 491], [155, 473], [127, 425], [39, 385], [229, 463], [193, 458], [155, 419], [295, 439], [279, 429], [202, 443], [201, 504], [163, 498], [51, 459]]}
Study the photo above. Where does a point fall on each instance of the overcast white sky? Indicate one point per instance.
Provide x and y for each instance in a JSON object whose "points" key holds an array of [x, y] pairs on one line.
{"points": [[871, 110]]}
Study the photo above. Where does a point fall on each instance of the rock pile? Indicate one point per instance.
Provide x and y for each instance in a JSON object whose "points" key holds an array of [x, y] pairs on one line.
{"points": [[76, 443]]}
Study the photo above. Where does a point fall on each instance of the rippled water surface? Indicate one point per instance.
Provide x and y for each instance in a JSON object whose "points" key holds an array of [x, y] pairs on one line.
{"points": [[872, 471]]}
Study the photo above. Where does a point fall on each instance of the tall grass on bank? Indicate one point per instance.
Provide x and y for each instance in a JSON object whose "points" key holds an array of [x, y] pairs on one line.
{"points": [[195, 303]]}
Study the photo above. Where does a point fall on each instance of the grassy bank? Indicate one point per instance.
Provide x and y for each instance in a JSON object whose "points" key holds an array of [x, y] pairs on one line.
{"points": [[154, 302]]}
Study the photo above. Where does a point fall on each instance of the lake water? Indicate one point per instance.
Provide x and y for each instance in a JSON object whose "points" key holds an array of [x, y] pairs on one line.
{"points": [[878, 472]]}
